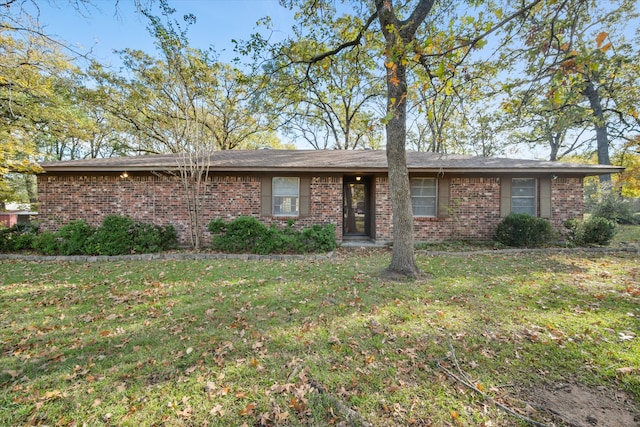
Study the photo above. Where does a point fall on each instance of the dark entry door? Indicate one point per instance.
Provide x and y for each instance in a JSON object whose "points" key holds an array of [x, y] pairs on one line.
{"points": [[356, 206]]}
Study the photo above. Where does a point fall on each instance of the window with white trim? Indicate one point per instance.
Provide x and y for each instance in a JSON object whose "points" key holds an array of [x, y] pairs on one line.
{"points": [[523, 196], [285, 196], [424, 196]]}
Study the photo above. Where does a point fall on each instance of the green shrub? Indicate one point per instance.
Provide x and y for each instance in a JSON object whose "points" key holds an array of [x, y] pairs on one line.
{"points": [[23, 241], [74, 237], [593, 231], [113, 237], [242, 235], [605, 201], [522, 230], [7, 239], [246, 234], [17, 238], [117, 235], [45, 243], [149, 238], [169, 237], [319, 238]]}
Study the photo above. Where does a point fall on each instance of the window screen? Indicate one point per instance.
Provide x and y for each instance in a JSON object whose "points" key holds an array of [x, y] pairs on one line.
{"points": [[286, 196], [423, 196], [523, 196]]}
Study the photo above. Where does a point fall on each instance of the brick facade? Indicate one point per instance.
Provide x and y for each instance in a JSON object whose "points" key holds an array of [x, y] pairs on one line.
{"points": [[160, 199], [474, 209], [567, 201], [473, 214]]}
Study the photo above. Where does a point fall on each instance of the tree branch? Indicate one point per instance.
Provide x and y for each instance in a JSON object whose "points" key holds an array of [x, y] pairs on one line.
{"points": [[345, 45], [476, 39]]}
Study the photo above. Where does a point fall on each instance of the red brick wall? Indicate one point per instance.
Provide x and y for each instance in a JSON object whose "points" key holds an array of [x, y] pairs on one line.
{"points": [[383, 220], [160, 200], [474, 203], [475, 209], [567, 201]]}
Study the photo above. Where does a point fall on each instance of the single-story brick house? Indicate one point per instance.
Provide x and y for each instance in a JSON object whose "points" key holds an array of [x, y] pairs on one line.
{"points": [[454, 196]]}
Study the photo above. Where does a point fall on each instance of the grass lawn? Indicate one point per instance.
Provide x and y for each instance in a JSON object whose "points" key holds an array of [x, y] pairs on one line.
{"points": [[233, 342]]}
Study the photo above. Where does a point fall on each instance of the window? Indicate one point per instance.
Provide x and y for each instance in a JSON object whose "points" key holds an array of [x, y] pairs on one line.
{"points": [[424, 196], [286, 196], [523, 196]]}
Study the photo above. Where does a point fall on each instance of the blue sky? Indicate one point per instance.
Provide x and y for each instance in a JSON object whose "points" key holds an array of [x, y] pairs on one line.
{"points": [[102, 28]]}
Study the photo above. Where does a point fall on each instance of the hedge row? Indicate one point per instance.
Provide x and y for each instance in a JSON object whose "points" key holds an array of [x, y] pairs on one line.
{"points": [[246, 234], [118, 235], [522, 230]]}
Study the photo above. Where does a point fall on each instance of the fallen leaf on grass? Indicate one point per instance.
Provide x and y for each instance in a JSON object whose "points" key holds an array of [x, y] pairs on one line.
{"points": [[299, 406], [627, 370], [281, 388], [50, 395], [248, 410], [281, 417], [217, 410], [626, 336], [185, 413]]}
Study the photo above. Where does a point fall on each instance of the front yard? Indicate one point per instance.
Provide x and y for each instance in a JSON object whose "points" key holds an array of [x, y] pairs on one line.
{"points": [[322, 342]]}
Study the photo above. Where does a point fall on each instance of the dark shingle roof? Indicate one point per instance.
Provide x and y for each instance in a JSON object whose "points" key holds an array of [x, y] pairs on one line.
{"points": [[345, 161]]}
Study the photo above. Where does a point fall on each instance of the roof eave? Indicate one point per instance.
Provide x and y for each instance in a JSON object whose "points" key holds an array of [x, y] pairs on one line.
{"points": [[588, 171], [508, 171]]}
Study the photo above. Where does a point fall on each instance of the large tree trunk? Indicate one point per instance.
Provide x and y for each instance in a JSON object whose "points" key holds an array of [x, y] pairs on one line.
{"points": [[602, 137], [398, 36], [555, 140], [403, 258]]}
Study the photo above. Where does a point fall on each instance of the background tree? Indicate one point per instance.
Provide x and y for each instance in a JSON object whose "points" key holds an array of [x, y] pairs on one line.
{"points": [[148, 102], [45, 112], [39, 89], [447, 92], [335, 104], [578, 73], [629, 157]]}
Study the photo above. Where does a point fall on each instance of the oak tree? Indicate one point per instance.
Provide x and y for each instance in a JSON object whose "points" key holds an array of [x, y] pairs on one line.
{"points": [[405, 45]]}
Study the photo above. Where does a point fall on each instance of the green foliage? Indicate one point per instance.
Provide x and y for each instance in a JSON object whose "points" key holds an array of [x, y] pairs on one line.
{"points": [[522, 230], [113, 237], [117, 235], [246, 234], [217, 226], [319, 238], [121, 235], [609, 203], [169, 237], [593, 231], [148, 238], [45, 243], [17, 237], [74, 237]]}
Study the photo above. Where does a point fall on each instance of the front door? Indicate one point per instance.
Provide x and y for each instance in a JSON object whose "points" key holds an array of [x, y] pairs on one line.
{"points": [[356, 206]]}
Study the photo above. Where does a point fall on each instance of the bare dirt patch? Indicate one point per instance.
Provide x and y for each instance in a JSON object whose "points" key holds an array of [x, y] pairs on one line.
{"points": [[578, 405]]}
